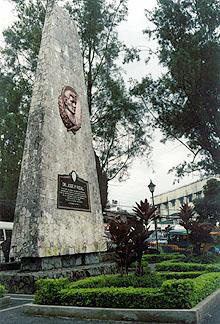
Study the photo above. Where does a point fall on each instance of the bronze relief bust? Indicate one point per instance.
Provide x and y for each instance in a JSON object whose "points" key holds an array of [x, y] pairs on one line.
{"points": [[70, 109]]}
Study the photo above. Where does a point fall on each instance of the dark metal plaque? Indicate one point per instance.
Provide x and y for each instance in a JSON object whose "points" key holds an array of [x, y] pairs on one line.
{"points": [[73, 192]]}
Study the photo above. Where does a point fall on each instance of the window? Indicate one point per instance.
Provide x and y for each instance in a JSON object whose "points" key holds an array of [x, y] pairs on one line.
{"points": [[181, 199]]}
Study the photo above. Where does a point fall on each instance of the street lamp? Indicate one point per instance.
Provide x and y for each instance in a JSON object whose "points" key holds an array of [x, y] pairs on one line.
{"points": [[151, 187]]}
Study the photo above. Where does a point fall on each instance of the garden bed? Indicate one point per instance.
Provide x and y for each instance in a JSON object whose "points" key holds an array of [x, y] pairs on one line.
{"points": [[197, 315], [149, 291]]}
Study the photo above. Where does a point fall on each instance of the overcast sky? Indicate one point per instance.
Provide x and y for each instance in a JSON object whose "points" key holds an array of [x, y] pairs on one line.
{"points": [[164, 156]]}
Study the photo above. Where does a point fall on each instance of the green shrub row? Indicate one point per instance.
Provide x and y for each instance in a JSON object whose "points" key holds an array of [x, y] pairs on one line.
{"points": [[152, 280], [155, 258], [186, 293], [182, 267], [2, 290], [48, 290], [206, 259], [112, 297], [182, 293], [144, 264], [181, 275]]}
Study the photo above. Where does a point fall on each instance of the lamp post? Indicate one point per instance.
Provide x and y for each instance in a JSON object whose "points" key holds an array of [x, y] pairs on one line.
{"points": [[151, 187]]}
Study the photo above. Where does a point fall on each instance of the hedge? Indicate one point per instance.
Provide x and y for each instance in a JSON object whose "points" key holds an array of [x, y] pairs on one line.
{"points": [[183, 267], [182, 293], [152, 280], [2, 290], [112, 297], [181, 275], [155, 258], [47, 290], [144, 264], [186, 293]]}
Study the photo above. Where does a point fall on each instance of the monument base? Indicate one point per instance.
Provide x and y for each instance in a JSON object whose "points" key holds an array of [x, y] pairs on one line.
{"points": [[23, 282], [60, 262]]}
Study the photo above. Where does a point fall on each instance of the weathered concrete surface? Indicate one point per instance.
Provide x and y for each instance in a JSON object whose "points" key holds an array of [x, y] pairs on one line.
{"points": [[113, 314], [206, 308], [40, 229], [24, 282], [197, 315]]}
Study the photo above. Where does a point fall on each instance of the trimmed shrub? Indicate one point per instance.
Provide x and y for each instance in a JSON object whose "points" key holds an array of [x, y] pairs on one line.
{"points": [[182, 293], [186, 267], [47, 290], [144, 264], [148, 281], [205, 259], [155, 258], [2, 290], [112, 297], [181, 275], [186, 293]]}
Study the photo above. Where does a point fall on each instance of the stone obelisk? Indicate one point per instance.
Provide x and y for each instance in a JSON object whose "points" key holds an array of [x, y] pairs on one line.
{"points": [[58, 212]]}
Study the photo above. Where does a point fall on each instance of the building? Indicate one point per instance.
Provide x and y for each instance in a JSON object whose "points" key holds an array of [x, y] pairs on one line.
{"points": [[169, 203]]}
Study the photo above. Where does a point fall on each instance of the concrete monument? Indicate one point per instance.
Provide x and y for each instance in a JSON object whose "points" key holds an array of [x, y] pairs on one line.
{"points": [[58, 218]]}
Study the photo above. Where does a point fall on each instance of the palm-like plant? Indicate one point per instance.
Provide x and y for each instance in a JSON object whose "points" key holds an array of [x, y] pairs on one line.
{"points": [[198, 232], [144, 214], [129, 235]]}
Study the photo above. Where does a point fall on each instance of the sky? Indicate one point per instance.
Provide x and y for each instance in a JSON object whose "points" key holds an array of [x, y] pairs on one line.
{"points": [[164, 156]]}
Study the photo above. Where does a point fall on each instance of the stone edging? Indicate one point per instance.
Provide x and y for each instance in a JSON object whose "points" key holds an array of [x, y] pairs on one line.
{"points": [[4, 301], [196, 315]]}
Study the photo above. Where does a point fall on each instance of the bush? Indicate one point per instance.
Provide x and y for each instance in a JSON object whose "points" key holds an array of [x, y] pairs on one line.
{"points": [[186, 293], [186, 267], [144, 264], [112, 297], [151, 280], [181, 275], [2, 290], [47, 290], [182, 293], [205, 259], [155, 258]]}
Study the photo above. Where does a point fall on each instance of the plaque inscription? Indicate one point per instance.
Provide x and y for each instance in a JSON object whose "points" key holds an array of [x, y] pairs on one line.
{"points": [[73, 192]]}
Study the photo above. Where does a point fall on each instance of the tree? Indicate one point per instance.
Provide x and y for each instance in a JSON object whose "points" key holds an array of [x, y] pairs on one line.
{"points": [[18, 61], [117, 121], [185, 99], [197, 230], [119, 128], [208, 207]]}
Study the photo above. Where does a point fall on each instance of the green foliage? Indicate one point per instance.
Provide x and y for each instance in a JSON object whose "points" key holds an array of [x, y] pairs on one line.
{"points": [[2, 290], [182, 293], [47, 290], [119, 129], [185, 99], [117, 121], [186, 293], [152, 280], [155, 258], [181, 275], [198, 230], [205, 259], [18, 61], [129, 235], [112, 297], [186, 267], [208, 207]]}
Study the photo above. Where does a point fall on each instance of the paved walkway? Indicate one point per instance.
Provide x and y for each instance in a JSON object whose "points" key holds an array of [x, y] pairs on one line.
{"points": [[13, 314]]}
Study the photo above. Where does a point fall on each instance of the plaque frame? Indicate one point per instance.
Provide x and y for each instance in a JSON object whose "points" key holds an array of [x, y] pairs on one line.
{"points": [[77, 178]]}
